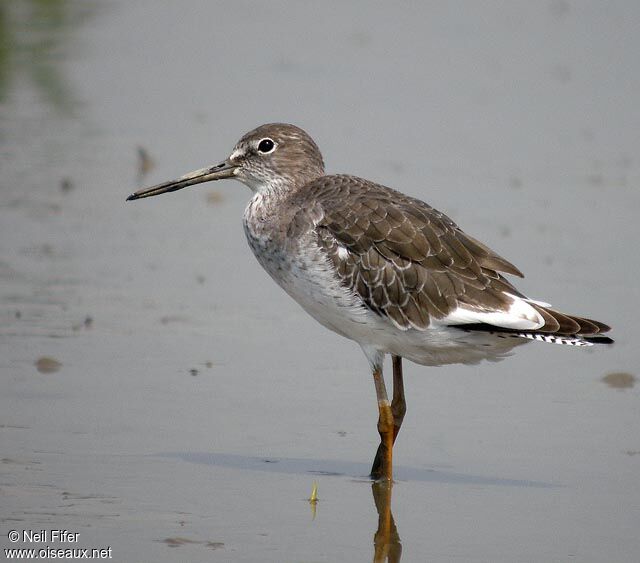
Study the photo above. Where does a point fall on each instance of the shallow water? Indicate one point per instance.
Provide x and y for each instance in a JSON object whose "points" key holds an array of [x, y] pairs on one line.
{"points": [[161, 396]]}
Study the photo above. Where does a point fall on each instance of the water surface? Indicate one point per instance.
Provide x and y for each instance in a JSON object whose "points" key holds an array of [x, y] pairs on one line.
{"points": [[160, 395]]}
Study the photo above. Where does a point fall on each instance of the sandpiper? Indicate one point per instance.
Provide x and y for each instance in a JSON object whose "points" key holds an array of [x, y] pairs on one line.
{"points": [[380, 268]]}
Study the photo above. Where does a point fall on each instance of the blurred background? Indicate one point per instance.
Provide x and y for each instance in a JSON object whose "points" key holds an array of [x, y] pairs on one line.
{"points": [[162, 396]]}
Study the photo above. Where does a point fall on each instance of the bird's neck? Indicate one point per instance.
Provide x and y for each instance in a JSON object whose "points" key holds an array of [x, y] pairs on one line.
{"points": [[272, 199], [267, 202], [269, 211]]}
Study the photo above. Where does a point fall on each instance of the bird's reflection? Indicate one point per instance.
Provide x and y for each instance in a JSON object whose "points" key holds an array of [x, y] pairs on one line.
{"points": [[386, 541]]}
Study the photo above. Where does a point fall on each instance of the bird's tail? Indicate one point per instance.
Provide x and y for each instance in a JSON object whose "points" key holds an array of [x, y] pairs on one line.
{"points": [[570, 330], [558, 328], [560, 324]]}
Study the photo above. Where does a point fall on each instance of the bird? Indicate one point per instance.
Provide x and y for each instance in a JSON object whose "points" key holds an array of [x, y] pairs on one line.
{"points": [[381, 268]]}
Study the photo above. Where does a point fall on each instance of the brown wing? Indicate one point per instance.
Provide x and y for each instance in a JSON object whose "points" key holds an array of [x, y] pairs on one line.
{"points": [[406, 260]]}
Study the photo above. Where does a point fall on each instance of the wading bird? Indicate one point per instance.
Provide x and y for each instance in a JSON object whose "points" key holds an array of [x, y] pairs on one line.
{"points": [[379, 267]]}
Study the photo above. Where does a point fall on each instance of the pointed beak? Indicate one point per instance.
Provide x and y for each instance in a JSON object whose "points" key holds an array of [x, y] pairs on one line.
{"points": [[223, 170]]}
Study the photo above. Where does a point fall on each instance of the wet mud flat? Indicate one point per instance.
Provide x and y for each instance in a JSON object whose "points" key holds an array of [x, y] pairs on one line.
{"points": [[160, 395]]}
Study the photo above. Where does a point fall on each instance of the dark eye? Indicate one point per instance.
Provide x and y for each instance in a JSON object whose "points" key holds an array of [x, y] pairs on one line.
{"points": [[266, 146]]}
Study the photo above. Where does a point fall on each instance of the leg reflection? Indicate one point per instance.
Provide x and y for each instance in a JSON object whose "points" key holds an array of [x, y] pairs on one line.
{"points": [[386, 541]]}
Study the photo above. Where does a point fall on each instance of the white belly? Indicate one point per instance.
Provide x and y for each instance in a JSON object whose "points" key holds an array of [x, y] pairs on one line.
{"points": [[309, 279]]}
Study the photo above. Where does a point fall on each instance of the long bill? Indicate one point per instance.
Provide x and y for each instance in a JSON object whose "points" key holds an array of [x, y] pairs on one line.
{"points": [[218, 172]]}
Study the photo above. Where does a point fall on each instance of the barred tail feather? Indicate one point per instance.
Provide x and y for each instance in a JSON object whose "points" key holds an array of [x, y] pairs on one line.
{"points": [[565, 340]]}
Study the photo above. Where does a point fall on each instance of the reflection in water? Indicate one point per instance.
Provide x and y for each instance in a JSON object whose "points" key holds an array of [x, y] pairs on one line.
{"points": [[386, 541], [313, 500], [33, 36]]}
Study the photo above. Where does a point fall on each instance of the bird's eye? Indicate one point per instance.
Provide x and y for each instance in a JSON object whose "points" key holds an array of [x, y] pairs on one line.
{"points": [[265, 146]]}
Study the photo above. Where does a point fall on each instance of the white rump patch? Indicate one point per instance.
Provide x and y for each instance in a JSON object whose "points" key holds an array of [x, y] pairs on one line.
{"points": [[519, 316], [536, 302]]}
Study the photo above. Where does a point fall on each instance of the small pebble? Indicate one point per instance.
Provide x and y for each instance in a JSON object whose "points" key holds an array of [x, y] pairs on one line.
{"points": [[145, 162], [66, 185], [620, 380], [46, 364], [214, 198]]}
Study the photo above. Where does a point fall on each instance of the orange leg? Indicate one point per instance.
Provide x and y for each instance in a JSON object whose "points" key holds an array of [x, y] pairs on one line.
{"points": [[389, 420]]}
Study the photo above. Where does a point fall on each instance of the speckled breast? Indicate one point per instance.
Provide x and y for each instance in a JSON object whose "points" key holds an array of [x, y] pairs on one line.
{"points": [[303, 270]]}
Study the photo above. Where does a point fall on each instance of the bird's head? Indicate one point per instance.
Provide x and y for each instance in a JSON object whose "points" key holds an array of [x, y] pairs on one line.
{"points": [[272, 156]]}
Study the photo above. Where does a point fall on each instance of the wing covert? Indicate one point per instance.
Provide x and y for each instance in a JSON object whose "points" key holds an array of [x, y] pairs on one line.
{"points": [[406, 260]]}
